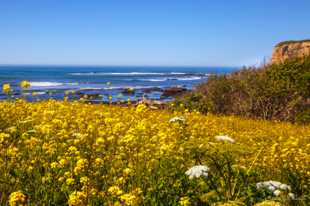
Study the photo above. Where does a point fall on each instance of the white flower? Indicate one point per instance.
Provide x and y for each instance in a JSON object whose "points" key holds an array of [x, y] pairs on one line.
{"points": [[291, 195], [273, 186], [277, 192], [197, 171], [177, 119], [224, 138], [285, 187]]}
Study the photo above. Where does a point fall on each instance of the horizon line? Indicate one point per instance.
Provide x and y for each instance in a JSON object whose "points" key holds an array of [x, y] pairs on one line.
{"points": [[115, 65]]}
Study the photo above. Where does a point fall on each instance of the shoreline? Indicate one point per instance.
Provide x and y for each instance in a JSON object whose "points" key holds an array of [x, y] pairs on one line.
{"points": [[117, 96]]}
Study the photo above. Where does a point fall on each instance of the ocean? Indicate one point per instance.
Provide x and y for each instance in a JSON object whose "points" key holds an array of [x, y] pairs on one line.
{"points": [[100, 82]]}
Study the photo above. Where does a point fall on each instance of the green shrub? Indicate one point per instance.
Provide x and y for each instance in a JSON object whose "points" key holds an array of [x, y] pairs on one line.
{"points": [[194, 101], [277, 91]]}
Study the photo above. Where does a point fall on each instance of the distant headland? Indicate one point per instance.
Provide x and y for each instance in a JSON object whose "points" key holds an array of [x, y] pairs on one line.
{"points": [[290, 50]]}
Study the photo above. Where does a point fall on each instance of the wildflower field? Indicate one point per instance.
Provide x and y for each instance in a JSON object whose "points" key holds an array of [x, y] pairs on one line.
{"points": [[74, 153]]}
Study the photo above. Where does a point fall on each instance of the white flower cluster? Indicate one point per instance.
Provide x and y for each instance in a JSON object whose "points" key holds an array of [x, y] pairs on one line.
{"points": [[177, 119], [197, 171], [224, 138], [276, 187]]}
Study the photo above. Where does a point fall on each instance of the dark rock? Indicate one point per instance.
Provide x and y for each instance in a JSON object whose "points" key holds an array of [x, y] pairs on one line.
{"points": [[91, 96], [173, 91], [129, 91], [152, 89]]}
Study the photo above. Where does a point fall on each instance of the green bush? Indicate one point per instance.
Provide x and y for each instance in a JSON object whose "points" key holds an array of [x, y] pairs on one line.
{"points": [[276, 91], [191, 100]]}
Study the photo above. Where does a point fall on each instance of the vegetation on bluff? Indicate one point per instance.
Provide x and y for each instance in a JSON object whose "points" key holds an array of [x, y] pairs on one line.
{"points": [[276, 91], [59, 153], [292, 41]]}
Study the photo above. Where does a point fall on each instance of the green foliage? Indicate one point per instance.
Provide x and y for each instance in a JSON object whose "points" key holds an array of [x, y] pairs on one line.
{"points": [[291, 76], [278, 92], [292, 41], [193, 101]]}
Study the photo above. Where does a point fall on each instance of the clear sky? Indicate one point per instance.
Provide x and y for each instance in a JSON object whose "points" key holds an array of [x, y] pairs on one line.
{"points": [[148, 32]]}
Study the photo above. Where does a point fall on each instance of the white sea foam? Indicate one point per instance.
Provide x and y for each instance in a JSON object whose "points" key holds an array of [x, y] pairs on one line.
{"points": [[40, 93], [127, 87], [73, 83], [90, 88], [116, 73], [154, 80], [129, 73], [177, 73], [45, 84], [37, 93], [190, 78], [50, 84]]}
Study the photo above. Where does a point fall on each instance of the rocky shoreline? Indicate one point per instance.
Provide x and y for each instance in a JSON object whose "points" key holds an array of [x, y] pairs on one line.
{"points": [[154, 97], [167, 93], [154, 104]]}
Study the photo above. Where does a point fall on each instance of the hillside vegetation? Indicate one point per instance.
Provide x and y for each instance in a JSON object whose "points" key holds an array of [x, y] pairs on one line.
{"points": [[276, 91], [292, 41], [59, 153]]}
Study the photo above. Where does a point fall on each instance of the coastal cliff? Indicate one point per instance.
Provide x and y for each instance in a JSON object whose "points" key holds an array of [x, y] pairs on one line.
{"points": [[289, 50]]}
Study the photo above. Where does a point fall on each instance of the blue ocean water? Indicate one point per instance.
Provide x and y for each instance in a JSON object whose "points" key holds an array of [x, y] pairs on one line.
{"points": [[102, 82]]}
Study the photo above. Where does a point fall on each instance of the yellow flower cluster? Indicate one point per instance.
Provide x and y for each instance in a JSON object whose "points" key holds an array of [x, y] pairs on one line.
{"points": [[76, 153], [6, 88], [17, 199], [77, 199], [185, 201], [25, 84], [268, 203]]}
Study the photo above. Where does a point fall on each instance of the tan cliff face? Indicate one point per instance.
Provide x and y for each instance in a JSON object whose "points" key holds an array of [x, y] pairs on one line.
{"points": [[289, 50]]}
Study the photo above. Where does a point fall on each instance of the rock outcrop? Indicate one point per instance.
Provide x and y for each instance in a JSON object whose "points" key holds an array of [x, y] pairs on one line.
{"points": [[173, 91], [289, 50], [152, 104]]}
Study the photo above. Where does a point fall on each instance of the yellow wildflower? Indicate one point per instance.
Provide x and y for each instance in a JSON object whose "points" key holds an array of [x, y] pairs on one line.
{"points": [[268, 203], [184, 201], [127, 171], [81, 164], [141, 108], [98, 162], [24, 84], [70, 181], [54, 165], [115, 191], [77, 198], [6, 88], [17, 199], [129, 199], [84, 180]]}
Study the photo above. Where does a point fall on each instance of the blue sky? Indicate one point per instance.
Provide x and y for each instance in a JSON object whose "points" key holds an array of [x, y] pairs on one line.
{"points": [[148, 32]]}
